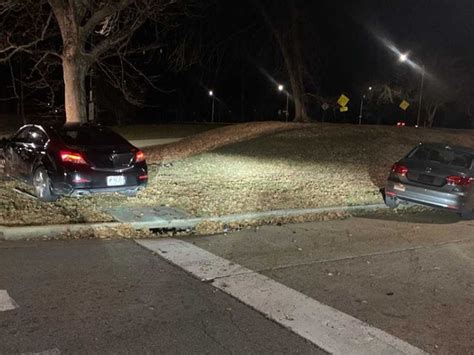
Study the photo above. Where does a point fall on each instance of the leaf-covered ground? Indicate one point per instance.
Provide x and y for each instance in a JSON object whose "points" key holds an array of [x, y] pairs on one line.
{"points": [[318, 165]]}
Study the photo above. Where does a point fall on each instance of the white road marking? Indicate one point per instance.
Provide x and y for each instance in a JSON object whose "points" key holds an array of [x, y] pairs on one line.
{"points": [[324, 326], [6, 302]]}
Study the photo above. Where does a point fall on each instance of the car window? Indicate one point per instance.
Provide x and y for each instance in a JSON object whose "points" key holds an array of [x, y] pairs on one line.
{"points": [[22, 135], [445, 156], [90, 136]]}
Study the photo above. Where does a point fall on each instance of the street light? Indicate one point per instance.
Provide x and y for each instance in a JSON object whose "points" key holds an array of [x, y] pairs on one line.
{"points": [[281, 88], [362, 105], [404, 58], [211, 94]]}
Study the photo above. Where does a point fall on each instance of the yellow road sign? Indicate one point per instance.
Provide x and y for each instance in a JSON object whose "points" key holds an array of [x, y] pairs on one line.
{"points": [[343, 108], [404, 105], [343, 100]]}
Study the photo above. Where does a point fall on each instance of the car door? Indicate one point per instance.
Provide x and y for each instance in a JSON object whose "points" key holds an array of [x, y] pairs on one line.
{"points": [[13, 151], [33, 149]]}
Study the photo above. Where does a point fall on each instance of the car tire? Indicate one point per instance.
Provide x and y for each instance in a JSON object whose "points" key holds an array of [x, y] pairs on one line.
{"points": [[42, 186], [391, 202], [467, 214]]}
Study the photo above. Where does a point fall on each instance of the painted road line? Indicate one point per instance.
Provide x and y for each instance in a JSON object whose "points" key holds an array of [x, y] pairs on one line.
{"points": [[6, 302], [324, 326]]}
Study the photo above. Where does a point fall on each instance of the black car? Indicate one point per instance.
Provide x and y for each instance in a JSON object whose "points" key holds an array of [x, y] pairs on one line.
{"points": [[73, 160]]}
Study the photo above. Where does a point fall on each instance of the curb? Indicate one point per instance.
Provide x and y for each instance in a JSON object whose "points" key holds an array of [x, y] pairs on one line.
{"points": [[49, 231]]}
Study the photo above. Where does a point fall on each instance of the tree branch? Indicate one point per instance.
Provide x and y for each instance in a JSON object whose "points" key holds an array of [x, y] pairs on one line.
{"points": [[100, 15]]}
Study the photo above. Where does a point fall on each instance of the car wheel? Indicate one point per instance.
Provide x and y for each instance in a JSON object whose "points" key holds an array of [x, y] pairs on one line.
{"points": [[391, 202], [42, 186], [467, 214]]}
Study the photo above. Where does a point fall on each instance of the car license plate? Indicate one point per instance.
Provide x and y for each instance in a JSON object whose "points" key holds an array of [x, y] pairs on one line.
{"points": [[118, 180], [426, 179], [399, 187]]}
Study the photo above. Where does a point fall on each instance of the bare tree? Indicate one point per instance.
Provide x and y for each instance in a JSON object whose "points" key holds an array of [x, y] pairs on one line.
{"points": [[79, 34], [285, 27]]}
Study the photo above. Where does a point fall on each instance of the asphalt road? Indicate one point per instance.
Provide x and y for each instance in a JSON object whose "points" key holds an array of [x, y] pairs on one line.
{"points": [[411, 276], [116, 297]]}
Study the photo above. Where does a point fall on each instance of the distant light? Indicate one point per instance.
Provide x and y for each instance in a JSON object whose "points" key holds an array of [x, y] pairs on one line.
{"points": [[403, 57], [370, 88], [211, 93], [416, 126], [280, 87]]}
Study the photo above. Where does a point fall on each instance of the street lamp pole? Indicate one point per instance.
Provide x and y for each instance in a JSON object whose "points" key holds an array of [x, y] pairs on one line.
{"points": [[404, 58], [281, 88], [211, 94], [362, 106], [421, 95]]}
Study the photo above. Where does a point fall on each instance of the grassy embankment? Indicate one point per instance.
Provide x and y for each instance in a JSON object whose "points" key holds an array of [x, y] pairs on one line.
{"points": [[245, 168]]}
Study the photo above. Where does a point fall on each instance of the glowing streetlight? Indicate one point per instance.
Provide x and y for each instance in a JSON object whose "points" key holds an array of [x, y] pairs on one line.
{"points": [[211, 94], [282, 88], [403, 57]]}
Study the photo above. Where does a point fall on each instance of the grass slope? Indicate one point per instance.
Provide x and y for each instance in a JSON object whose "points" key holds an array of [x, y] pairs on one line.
{"points": [[317, 165]]}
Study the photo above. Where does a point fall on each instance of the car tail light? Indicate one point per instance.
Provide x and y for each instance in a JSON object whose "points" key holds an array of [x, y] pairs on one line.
{"points": [[139, 156], [72, 157], [399, 169], [143, 177], [459, 180]]}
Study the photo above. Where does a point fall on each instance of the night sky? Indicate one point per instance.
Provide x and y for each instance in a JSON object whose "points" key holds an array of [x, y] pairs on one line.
{"points": [[343, 51]]}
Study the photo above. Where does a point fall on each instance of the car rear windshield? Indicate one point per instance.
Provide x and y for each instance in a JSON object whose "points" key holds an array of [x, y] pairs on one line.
{"points": [[90, 136], [445, 156]]}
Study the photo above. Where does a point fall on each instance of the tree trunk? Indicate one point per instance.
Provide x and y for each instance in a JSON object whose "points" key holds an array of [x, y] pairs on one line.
{"points": [[75, 70], [290, 48], [298, 67]]}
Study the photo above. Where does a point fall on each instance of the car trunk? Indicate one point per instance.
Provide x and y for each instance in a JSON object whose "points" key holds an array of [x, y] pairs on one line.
{"points": [[102, 148], [109, 158], [432, 175]]}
